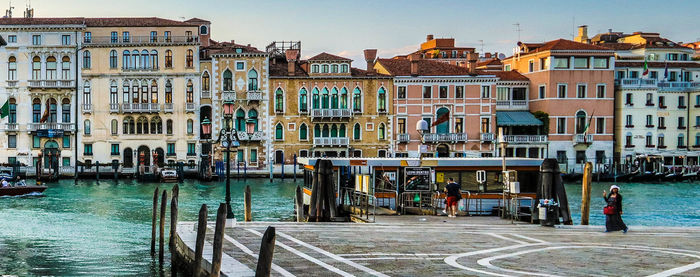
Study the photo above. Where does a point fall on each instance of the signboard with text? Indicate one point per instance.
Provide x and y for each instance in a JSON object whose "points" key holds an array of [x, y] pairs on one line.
{"points": [[49, 133], [417, 179]]}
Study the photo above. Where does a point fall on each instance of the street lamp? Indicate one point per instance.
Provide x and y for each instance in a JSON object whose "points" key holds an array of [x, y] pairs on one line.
{"points": [[227, 137], [422, 127]]}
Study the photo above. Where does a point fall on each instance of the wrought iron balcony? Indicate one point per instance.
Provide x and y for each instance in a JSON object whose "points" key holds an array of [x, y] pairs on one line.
{"points": [[330, 113], [139, 40], [446, 137], [403, 138], [487, 137], [67, 127], [583, 138], [51, 84], [140, 108], [516, 139], [332, 142]]}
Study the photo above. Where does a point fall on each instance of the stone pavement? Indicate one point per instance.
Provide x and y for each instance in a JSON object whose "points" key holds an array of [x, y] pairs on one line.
{"points": [[464, 246]]}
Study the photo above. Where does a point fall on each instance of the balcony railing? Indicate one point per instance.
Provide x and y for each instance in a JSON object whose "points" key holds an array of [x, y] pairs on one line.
{"points": [[254, 95], [12, 84], [206, 94], [109, 40], [332, 141], [679, 86], [113, 107], [487, 137], [189, 107], [140, 108], [447, 137], [515, 139], [403, 137], [228, 95], [68, 127], [11, 127], [583, 138], [140, 68], [168, 107], [330, 113], [637, 83], [254, 136], [87, 108], [511, 105], [47, 84], [630, 83]]}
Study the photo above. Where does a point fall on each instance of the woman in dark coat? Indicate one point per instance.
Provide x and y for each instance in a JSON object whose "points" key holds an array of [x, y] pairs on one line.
{"points": [[613, 222]]}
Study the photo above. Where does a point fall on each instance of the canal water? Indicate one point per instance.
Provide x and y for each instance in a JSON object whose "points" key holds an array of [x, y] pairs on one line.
{"points": [[91, 228]]}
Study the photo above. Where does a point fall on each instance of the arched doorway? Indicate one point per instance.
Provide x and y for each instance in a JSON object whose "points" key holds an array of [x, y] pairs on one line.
{"points": [[279, 157], [161, 156], [50, 151], [128, 157], [444, 127], [144, 155], [443, 151]]}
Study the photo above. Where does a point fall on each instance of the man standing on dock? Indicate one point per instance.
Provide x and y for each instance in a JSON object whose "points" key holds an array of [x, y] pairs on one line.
{"points": [[453, 190]]}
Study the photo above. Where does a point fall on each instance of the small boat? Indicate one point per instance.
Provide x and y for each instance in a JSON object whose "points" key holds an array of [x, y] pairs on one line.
{"points": [[689, 176], [168, 176], [21, 190], [620, 177], [6, 174], [643, 177], [571, 177], [672, 177]]}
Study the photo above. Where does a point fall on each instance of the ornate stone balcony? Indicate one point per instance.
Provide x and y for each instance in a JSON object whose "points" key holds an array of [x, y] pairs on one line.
{"points": [[446, 137], [332, 142]]}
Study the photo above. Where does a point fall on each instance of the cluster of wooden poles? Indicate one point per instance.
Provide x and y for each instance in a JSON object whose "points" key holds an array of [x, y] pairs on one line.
{"points": [[267, 246], [322, 206]]}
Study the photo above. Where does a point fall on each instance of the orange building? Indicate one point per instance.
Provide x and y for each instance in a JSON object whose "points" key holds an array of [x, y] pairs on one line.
{"points": [[444, 50]]}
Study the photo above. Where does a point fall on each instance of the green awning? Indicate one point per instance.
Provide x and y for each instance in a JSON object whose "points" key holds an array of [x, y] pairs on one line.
{"points": [[517, 118]]}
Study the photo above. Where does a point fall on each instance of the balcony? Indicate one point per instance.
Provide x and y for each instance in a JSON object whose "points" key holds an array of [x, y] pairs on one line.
{"points": [[140, 40], [629, 83], [254, 136], [206, 94], [189, 107], [518, 139], [487, 137], [447, 137], [254, 95], [679, 86], [168, 107], [583, 138], [87, 108], [228, 95], [51, 84], [113, 108], [12, 84], [140, 68], [403, 138], [140, 108], [11, 127], [511, 105], [330, 113], [66, 127], [331, 142]]}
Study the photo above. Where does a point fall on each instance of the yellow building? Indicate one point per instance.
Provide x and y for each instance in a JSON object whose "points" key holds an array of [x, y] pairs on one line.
{"points": [[139, 91], [324, 107]]}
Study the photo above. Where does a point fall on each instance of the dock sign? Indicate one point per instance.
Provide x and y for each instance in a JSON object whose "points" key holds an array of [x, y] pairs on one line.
{"points": [[417, 179]]}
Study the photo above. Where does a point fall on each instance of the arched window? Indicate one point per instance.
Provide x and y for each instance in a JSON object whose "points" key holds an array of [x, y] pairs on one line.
{"points": [[325, 99], [315, 99], [128, 127], [168, 92], [157, 125], [334, 68], [381, 100], [253, 118], [144, 91], [317, 131], [325, 132], [344, 68], [203, 30], [135, 59], [126, 60], [252, 80], [334, 131], [65, 110], [113, 59], [135, 91], [314, 68], [303, 100], [240, 120], [334, 98], [154, 91], [228, 80], [169, 126], [51, 68], [12, 68], [279, 100], [36, 68], [36, 110], [342, 131], [324, 68], [115, 127], [145, 60], [303, 132], [53, 110], [190, 126], [357, 100], [65, 68], [86, 127], [344, 98], [154, 59], [86, 60], [205, 81], [168, 59], [189, 59], [381, 130], [444, 127], [189, 92], [356, 132], [279, 134], [13, 111], [87, 97], [125, 88], [580, 122], [142, 125]]}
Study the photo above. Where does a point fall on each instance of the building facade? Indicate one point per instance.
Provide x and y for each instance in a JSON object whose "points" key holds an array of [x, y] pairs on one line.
{"points": [[323, 107]]}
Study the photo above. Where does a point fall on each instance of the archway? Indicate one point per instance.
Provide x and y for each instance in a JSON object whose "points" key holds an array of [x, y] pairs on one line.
{"points": [[50, 150], [443, 151], [128, 158], [279, 157], [444, 127], [144, 155], [161, 156]]}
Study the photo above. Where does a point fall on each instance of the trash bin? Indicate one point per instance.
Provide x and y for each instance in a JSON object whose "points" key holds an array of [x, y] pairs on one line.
{"points": [[548, 213]]}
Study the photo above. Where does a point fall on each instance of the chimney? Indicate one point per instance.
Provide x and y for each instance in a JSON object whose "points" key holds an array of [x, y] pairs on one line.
{"points": [[471, 62], [610, 31], [370, 57], [233, 42], [582, 34], [414, 58], [429, 38], [487, 55], [292, 57]]}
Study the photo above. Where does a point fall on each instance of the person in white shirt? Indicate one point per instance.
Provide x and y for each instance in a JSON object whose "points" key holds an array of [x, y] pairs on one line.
{"points": [[5, 183]]}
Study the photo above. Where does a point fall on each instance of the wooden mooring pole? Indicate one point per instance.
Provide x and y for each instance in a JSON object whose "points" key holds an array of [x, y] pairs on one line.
{"points": [[173, 221], [247, 202], [176, 191], [218, 240], [299, 204], [267, 248], [199, 243], [153, 222], [161, 239], [586, 193]]}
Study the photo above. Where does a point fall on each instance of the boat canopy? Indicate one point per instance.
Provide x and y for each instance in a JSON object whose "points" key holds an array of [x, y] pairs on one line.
{"points": [[433, 162]]}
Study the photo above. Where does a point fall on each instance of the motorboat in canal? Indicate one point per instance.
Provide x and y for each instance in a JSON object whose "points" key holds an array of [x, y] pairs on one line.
{"points": [[21, 190], [168, 175]]}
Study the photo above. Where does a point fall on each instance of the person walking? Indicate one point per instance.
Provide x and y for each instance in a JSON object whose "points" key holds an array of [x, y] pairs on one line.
{"points": [[454, 193], [613, 211]]}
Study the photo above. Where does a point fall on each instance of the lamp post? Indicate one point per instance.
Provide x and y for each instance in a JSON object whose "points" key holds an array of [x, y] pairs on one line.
{"points": [[227, 137], [206, 134], [422, 128]]}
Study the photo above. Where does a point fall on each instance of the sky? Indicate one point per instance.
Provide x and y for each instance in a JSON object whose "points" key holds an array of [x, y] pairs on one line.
{"points": [[396, 27]]}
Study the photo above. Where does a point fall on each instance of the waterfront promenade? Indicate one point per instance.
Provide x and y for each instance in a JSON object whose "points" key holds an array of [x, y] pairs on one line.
{"points": [[464, 246]]}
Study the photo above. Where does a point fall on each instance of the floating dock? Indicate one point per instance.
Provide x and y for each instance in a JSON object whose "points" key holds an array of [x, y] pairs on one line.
{"points": [[462, 246]]}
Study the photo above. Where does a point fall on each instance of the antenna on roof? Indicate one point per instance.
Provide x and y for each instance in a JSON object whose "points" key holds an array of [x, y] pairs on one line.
{"points": [[517, 29], [8, 12], [482, 46], [29, 12]]}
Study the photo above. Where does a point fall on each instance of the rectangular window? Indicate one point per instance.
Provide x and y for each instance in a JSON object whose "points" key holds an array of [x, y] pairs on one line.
{"points": [[561, 90], [166, 36], [459, 125], [443, 92], [114, 37], [681, 102], [561, 62], [459, 92], [253, 155], [561, 157], [11, 160], [662, 102], [36, 39], [12, 39], [506, 67], [599, 157], [681, 122], [66, 161], [580, 62], [191, 149], [628, 121], [542, 92], [240, 66], [427, 92], [154, 36], [171, 149], [561, 125], [581, 91], [581, 157], [401, 94], [650, 121], [628, 99], [653, 75], [402, 125], [620, 75], [600, 91], [87, 37], [126, 37], [11, 141], [634, 74], [87, 149], [697, 121], [66, 141], [36, 141], [601, 63], [485, 125], [600, 125], [65, 40], [114, 150], [429, 120], [662, 122], [660, 142], [531, 65], [543, 63], [485, 92]]}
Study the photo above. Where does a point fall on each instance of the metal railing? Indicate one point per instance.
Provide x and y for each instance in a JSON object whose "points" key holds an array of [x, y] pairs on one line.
{"points": [[487, 137], [403, 137], [109, 40], [331, 113], [341, 141], [51, 84], [583, 138], [69, 127], [525, 138], [446, 137], [512, 104]]}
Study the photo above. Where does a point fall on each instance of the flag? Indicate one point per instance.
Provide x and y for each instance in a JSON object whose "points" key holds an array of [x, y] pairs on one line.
{"points": [[5, 109], [443, 118], [645, 71], [666, 72], [585, 130], [45, 116]]}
